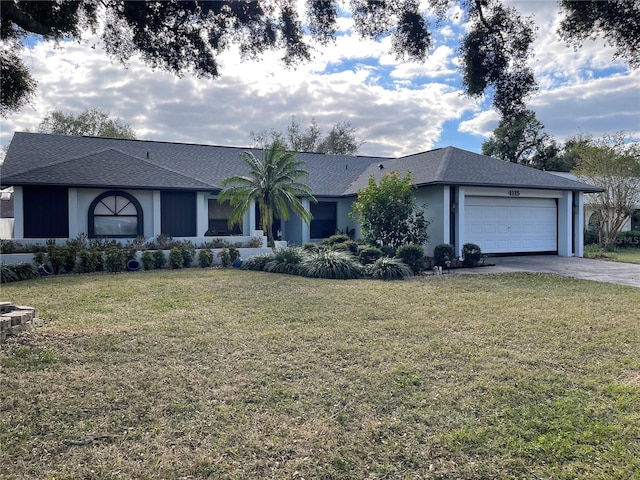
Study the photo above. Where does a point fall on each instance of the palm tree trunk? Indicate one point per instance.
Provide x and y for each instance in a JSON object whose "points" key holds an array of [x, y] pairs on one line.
{"points": [[266, 224]]}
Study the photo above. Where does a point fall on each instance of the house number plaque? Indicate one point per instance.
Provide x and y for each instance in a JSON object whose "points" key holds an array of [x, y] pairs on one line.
{"points": [[514, 193]]}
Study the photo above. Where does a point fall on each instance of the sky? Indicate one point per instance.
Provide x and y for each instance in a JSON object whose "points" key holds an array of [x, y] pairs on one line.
{"points": [[396, 107]]}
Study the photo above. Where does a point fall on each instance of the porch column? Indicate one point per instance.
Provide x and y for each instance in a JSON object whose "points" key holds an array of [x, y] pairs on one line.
{"points": [[578, 222], [202, 213], [565, 224], [305, 233], [18, 213], [249, 221], [156, 223], [446, 214], [74, 228], [459, 216]]}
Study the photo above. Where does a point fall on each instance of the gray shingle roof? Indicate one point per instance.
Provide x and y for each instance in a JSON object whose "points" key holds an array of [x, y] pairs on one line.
{"points": [[35, 159], [453, 166]]}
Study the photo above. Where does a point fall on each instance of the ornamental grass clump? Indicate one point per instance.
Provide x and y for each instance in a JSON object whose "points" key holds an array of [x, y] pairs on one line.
{"points": [[17, 272], [257, 262], [331, 264], [387, 268], [285, 260]]}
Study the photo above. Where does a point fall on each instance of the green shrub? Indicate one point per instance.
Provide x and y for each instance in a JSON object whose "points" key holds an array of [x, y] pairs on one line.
{"points": [[147, 260], [628, 239], [102, 244], [255, 242], [388, 213], [115, 259], [70, 258], [443, 253], [591, 236], [98, 256], [81, 242], [217, 243], [386, 268], [350, 232], [471, 254], [285, 260], [257, 262], [413, 256], [348, 246], [234, 253], [7, 247], [388, 250], [205, 258], [368, 255], [39, 258], [176, 259], [225, 257], [17, 272], [88, 261], [61, 258], [188, 251], [159, 259], [337, 238], [162, 242], [331, 264]]}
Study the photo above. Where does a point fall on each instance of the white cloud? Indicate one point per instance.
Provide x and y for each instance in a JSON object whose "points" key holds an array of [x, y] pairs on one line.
{"points": [[482, 124], [249, 96], [351, 79]]}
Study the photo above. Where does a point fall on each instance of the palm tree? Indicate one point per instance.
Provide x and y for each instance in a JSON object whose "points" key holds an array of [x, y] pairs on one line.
{"points": [[273, 182]]}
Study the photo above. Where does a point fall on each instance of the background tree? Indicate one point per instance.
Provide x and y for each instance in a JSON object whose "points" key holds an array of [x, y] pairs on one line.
{"points": [[188, 36], [91, 122], [273, 182], [565, 157], [613, 164], [341, 140], [388, 214], [520, 138], [617, 21]]}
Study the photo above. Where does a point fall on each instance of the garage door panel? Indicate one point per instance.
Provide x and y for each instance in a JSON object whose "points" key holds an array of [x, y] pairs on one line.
{"points": [[504, 225]]}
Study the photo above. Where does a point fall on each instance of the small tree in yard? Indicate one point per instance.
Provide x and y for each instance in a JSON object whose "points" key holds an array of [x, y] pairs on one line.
{"points": [[388, 214], [274, 182], [613, 165]]}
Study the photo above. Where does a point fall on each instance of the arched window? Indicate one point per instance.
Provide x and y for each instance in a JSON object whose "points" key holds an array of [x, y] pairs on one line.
{"points": [[115, 214]]}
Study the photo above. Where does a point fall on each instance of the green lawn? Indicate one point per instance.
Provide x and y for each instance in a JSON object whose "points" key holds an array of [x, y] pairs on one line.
{"points": [[228, 374], [626, 255]]}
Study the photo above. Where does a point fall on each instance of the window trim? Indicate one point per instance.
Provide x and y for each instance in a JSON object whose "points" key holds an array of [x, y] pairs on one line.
{"points": [[115, 193]]}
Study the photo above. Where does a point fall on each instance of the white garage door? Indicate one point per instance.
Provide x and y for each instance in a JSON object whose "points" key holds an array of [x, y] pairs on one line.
{"points": [[511, 225]]}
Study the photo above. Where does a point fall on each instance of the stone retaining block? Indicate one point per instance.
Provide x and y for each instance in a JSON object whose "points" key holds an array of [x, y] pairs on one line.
{"points": [[15, 319]]}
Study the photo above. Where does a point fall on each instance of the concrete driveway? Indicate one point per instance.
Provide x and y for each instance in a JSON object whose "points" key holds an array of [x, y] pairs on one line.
{"points": [[584, 268]]}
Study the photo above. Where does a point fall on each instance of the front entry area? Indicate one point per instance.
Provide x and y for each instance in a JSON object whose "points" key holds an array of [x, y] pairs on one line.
{"points": [[511, 225]]}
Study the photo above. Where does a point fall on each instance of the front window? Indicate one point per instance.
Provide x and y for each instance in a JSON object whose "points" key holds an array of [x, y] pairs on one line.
{"points": [[115, 214], [219, 214], [324, 223], [635, 221]]}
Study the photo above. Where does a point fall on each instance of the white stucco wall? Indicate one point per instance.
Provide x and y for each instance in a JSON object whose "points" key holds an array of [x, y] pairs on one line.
{"points": [[436, 201]]}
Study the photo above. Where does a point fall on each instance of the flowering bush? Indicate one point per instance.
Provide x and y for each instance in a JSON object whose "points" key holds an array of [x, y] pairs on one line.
{"points": [[388, 214]]}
